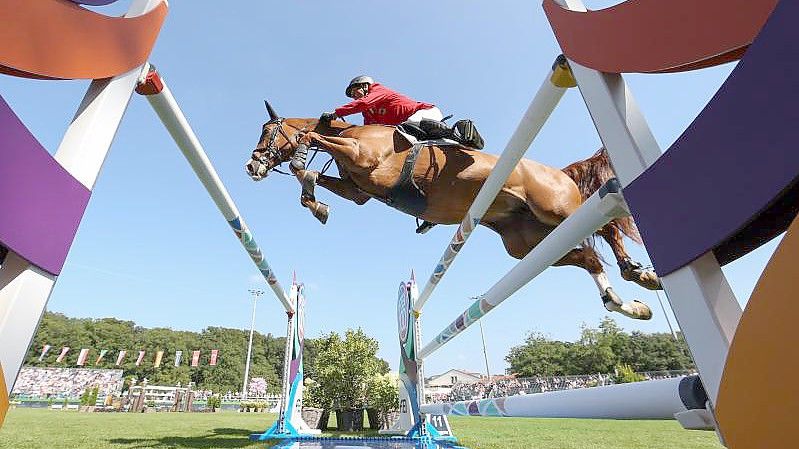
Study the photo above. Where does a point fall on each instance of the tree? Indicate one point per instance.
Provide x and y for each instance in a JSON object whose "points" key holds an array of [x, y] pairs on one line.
{"points": [[344, 367], [599, 350]]}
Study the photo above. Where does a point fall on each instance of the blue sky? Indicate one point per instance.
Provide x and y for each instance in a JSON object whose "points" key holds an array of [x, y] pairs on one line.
{"points": [[152, 247]]}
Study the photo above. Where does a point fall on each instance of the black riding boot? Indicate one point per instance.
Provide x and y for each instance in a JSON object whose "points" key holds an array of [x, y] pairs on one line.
{"points": [[464, 132], [435, 129]]}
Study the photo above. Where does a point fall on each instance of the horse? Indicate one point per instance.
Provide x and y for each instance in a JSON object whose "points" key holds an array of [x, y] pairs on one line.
{"points": [[533, 201]]}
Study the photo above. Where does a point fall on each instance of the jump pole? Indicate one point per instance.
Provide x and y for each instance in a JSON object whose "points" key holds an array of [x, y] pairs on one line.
{"points": [[539, 110], [652, 399], [153, 86], [600, 208]]}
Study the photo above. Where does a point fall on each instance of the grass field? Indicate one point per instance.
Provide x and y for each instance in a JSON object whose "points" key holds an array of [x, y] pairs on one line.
{"points": [[50, 429]]}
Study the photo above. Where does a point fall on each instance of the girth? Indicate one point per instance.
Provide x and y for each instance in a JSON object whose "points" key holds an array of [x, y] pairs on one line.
{"points": [[405, 195]]}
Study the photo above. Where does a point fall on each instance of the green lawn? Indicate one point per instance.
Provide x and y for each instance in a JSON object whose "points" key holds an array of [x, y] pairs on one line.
{"points": [[51, 429]]}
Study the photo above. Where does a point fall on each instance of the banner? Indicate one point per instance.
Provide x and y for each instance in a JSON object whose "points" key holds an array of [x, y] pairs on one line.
{"points": [[195, 358], [141, 357], [120, 357], [158, 356], [214, 354], [84, 354], [178, 355], [45, 348], [100, 357], [63, 354]]}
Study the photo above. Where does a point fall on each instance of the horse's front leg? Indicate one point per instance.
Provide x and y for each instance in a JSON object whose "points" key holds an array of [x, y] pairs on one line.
{"points": [[345, 150], [308, 178]]}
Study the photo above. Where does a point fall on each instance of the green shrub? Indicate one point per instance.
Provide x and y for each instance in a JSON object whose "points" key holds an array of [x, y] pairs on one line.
{"points": [[625, 374]]}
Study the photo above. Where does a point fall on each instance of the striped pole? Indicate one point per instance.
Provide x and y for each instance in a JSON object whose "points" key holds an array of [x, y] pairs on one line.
{"points": [[549, 94], [165, 105]]}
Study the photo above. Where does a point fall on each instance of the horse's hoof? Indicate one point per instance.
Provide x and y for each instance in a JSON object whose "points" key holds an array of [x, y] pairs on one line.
{"points": [[634, 271], [321, 211], [634, 309], [645, 278]]}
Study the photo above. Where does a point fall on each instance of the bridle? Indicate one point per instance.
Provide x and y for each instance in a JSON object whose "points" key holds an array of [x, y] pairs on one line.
{"points": [[270, 155]]}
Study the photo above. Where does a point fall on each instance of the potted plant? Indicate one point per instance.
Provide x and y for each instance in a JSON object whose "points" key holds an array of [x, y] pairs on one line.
{"points": [[213, 403], [316, 405], [382, 398]]}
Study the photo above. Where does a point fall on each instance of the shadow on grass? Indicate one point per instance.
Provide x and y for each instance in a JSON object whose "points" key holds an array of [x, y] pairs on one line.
{"points": [[224, 437]]}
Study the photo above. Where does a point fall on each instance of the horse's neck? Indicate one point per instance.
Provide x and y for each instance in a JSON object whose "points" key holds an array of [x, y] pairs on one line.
{"points": [[333, 128]]}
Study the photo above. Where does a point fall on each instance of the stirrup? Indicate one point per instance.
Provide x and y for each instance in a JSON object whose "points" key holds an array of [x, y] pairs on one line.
{"points": [[424, 226]]}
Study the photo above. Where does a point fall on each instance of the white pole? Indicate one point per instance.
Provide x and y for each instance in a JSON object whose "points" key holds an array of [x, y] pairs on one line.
{"points": [[592, 215], [539, 110], [666, 315], [165, 105], [255, 294], [485, 353]]}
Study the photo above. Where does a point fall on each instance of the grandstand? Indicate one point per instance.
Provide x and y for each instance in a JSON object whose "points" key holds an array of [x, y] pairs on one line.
{"points": [[41, 383]]}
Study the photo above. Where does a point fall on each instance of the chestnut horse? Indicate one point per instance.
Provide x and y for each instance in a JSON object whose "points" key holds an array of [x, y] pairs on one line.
{"points": [[533, 201]]}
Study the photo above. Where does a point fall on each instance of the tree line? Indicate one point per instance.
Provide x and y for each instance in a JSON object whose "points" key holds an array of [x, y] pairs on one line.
{"points": [[599, 350]]}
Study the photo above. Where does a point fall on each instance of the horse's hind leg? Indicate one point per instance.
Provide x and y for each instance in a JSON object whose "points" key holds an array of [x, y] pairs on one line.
{"points": [[631, 270], [587, 258]]}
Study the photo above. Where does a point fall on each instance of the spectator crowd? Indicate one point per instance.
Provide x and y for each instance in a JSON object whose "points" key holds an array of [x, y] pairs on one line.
{"points": [[66, 382], [499, 386]]}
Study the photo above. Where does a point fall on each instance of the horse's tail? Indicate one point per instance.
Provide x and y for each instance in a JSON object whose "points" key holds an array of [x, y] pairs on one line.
{"points": [[591, 174]]}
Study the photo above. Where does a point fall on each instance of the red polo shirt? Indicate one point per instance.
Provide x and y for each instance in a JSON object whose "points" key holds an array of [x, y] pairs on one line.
{"points": [[382, 106]]}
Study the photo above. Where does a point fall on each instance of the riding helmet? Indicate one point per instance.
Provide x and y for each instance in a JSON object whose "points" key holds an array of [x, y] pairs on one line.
{"points": [[358, 80]]}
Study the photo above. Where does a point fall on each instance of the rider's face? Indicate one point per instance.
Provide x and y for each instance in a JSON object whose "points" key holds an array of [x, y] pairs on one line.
{"points": [[360, 92]]}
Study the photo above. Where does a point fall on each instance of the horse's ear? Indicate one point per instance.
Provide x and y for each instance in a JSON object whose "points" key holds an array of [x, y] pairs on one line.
{"points": [[272, 115]]}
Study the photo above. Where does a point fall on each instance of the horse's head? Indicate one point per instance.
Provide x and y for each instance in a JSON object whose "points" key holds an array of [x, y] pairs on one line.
{"points": [[277, 143]]}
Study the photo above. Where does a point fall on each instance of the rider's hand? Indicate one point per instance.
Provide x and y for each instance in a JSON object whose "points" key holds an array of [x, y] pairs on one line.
{"points": [[328, 116]]}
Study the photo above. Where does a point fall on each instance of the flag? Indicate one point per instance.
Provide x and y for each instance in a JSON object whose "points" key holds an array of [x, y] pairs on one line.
{"points": [[178, 355], [63, 354], [158, 356], [100, 357], [120, 357], [214, 354], [195, 358], [84, 354], [141, 357], [45, 348]]}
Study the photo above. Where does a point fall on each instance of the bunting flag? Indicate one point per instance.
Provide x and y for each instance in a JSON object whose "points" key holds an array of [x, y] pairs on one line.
{"points": [[195, 358], [158, 356], [141, 357], [84, 354], [214, 354], [120, 357], [100, 357], [45, 348], [63, 354], [178, 355]]}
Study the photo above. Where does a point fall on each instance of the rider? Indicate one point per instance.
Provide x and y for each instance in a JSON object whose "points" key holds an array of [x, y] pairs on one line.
{"points": [[383, 106]]}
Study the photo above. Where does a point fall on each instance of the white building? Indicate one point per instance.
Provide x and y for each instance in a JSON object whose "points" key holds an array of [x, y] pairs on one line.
{"points": [[437, 388]]}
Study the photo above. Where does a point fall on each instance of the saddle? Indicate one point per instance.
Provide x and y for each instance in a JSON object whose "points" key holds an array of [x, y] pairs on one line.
{"points": [[405, 194]]}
